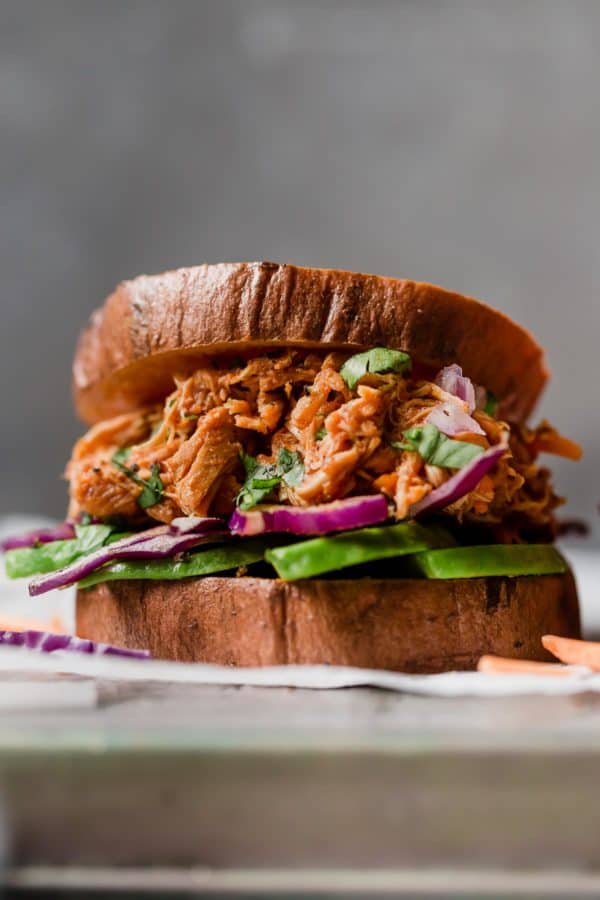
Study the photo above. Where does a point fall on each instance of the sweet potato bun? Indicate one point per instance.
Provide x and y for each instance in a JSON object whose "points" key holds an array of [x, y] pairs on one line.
{"points": [[156, 325], [406, 625]]}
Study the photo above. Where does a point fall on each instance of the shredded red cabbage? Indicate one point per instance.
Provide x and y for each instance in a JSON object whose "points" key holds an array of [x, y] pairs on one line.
{"points": [[341, 515], [452, 380], [156, 543], [62, 532], [451, 419], [465, 481], [48, 642]]}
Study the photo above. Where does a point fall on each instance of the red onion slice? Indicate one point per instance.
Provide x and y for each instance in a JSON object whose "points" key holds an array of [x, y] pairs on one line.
{"points": [[63, 532], [452, 380], [465, 481], [154, 544], [341, 515], [451, 420], [196, 524], [48, 642]]}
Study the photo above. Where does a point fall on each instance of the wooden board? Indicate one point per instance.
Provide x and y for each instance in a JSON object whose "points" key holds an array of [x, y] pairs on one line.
{"points": [[230, 779]]}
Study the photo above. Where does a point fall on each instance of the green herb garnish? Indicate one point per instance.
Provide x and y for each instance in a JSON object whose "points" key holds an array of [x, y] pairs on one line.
{"points": [[378, 360], [320, 433], [152, 488], [291, 467], [437, 449], [491, 404], [261, 478]]}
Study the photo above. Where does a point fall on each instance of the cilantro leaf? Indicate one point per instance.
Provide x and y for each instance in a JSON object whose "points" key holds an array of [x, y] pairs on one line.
{"points": [[491, 404], [261, 478], [152, 488], [320, 433], [379, 359], [290, 467], [120, 457], [437, 449]]}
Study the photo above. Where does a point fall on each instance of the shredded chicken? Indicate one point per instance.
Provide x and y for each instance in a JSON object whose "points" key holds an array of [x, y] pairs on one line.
{"points": [[349, 441]]}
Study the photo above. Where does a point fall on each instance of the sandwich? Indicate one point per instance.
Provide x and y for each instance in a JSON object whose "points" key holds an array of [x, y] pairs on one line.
{"points": [[288, 465]]}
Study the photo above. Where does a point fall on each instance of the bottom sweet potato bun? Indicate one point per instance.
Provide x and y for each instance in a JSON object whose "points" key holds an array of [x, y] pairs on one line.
{"points": [[405, 625]]}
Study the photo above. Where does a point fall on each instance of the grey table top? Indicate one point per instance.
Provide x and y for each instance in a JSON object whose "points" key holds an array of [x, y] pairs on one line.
{"points": [[218, 784]]}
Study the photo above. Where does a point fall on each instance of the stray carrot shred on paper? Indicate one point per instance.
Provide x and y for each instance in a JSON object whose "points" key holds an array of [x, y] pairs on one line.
{"points": [[505, 666], [574, 652]]}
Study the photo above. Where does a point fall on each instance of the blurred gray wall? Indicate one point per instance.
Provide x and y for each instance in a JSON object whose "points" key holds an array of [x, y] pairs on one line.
{"points": [[448, 141]]}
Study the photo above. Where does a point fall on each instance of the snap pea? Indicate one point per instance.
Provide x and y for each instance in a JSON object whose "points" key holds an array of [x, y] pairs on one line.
{"points": [[206, 562], [327, 554], [488, 560]]}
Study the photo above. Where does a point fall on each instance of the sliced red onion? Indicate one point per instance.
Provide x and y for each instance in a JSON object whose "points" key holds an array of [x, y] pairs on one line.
{"points": [[451, 420], [452, 380], [465, 481], [48, 642], [341, 515], [62, 532], [151, 546], [177, 527], [481, 396], [196, 524]]}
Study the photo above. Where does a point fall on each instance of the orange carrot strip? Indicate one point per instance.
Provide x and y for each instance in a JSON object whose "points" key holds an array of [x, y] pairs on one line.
{"points": [[559, 446], [504, 666], [22, 623], [577, 653]]}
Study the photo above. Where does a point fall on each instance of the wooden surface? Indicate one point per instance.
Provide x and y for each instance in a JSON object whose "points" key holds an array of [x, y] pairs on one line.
{"points": [[226, 780]]}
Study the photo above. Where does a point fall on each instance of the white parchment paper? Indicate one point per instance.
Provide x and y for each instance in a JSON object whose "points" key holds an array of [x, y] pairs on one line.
{"points": [[449, 684]]}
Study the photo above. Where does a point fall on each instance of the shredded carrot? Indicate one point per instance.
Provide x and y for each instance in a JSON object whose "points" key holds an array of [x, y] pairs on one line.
{"points": [[577, 653], [18, 623], [504, 666], [559, 446]]}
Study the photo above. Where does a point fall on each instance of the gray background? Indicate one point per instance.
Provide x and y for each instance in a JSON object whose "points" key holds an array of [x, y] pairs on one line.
{"points": [[453, 142]]}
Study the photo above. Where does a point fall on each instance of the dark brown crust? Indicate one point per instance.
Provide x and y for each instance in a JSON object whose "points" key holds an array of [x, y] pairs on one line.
{"points": [[128, 352], [403, 625]]}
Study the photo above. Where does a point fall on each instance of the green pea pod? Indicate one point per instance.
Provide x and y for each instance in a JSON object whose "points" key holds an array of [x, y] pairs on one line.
{"points": [[352, 548], [489, 560], [206, 562]]}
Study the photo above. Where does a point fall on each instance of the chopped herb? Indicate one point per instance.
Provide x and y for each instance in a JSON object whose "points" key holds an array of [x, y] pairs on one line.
{"points": [[378, 360], [320, 433], [191, 416], [152, 488], [120, 457], [261, 478], [291, 467], [172, 402], [491, 404], [437, 449]]}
